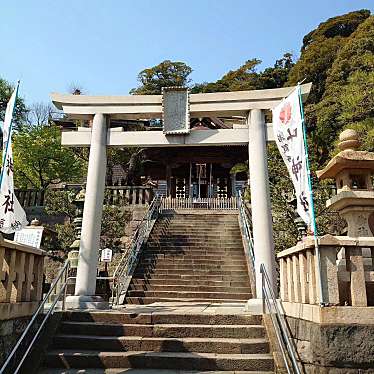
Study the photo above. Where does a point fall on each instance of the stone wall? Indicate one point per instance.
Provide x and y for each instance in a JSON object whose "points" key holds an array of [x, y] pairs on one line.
{"points": [[334, 348], [10, 331]]}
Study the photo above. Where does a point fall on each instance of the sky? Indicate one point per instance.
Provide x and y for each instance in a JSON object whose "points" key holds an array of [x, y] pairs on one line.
{"points": [[102, 45]]}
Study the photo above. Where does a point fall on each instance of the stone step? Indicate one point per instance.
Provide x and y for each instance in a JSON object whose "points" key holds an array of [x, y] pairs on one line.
{"points": [[189, 266], [189, 288], [163, 330], [138, 343], [198, 225], [193, 277], [142, 371], [158, 360], [193, 253], [123, 317], [151, 300], [169, 230], [187, 238], [208, 248], [189, 294], [166, 256], [182, 282], [190, 234], [145, 258], [193, 244], [181, 271]]}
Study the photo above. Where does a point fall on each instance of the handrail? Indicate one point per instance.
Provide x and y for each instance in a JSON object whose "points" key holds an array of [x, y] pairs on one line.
{"points": [[125, 267], [286, 346], [63, 274], [246, 228]]}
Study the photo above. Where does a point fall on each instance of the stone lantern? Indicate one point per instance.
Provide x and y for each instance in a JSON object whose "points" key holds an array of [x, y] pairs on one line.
{"points": [[353, 172], [77, 222]]}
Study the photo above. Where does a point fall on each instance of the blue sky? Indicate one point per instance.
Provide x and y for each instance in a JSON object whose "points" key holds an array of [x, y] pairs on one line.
{"points": [[102, 45]]}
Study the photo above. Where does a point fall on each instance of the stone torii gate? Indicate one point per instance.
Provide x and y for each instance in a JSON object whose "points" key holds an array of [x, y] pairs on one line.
{"points": [[101, 109]]}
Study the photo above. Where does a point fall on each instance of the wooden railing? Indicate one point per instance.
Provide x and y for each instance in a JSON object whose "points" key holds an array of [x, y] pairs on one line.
{"points": [[114, 195], [211, 203], [21, 279], [347, 272]]}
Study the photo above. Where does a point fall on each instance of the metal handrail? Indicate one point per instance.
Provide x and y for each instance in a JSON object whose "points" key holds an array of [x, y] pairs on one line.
{"points": [[63, 274], [246, 228], [126, 265], [281, 331]]}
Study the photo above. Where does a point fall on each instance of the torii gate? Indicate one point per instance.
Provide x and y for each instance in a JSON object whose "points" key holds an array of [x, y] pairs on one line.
{"points": [[101, 109]]}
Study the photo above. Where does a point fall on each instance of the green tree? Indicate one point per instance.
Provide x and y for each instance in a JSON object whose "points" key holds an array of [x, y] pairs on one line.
{"points": [[40, 160], [246, 77], [320, 48], [166, 74], [6, 90], [348, 99]]}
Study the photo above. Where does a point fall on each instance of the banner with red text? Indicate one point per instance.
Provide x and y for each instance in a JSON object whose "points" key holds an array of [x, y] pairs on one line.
{"points": [[288, 132]]}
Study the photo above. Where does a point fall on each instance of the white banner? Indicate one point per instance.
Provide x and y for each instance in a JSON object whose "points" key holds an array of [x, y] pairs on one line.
{"points": [[12, 215], [288, 132]]}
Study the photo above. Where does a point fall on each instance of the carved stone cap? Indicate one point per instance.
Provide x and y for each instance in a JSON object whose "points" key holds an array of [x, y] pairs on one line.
{"points": [[348, 140], [348, 158]]}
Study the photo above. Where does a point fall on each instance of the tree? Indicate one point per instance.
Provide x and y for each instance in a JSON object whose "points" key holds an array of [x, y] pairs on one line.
{"points": [[246, 77], [39, 114], [320, 48], [40, 160], [348, 99], [6, 90], [166, 74]]}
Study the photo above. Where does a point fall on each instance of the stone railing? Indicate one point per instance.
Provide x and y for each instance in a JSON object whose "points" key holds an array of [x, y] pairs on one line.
{"points": [[114, 195], [346, 269], [30, 197], [21, 279], [128, 195]]}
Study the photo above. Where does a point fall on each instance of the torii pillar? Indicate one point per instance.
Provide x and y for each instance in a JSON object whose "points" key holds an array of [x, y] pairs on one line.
{"points": [[85, 285], [262, 223]]}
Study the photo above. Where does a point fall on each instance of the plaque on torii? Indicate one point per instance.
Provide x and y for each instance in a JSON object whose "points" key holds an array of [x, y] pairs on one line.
{"points": [[175, 110]]}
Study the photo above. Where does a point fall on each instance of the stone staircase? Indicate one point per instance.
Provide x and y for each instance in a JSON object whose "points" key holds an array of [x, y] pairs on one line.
{"points": [[194, 271], [192, 257], [162, 342]]}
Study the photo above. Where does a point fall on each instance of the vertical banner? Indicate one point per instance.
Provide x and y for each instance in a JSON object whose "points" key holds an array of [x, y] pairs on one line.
{"points": [[288, 132], [12, 215]]}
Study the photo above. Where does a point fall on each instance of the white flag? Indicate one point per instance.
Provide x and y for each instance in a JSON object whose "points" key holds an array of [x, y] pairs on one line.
{"points": [[288, 132], [12, 215]]}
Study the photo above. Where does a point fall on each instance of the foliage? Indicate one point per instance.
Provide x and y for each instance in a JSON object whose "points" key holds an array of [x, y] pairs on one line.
{"points": [[65, 237], [326, 57], [113, 226], [239, 168], [6, 90], [247, 78], [348, 99], [167, 73], [59, 202], [320, 48], [40, 160]]}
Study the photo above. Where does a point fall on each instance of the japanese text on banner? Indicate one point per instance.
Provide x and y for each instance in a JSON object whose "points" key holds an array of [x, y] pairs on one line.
{"points": [[288, 131]]}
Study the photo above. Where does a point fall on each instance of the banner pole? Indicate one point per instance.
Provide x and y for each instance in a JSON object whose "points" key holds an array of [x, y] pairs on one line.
{"points": [[312, 211], [9, 135]]}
